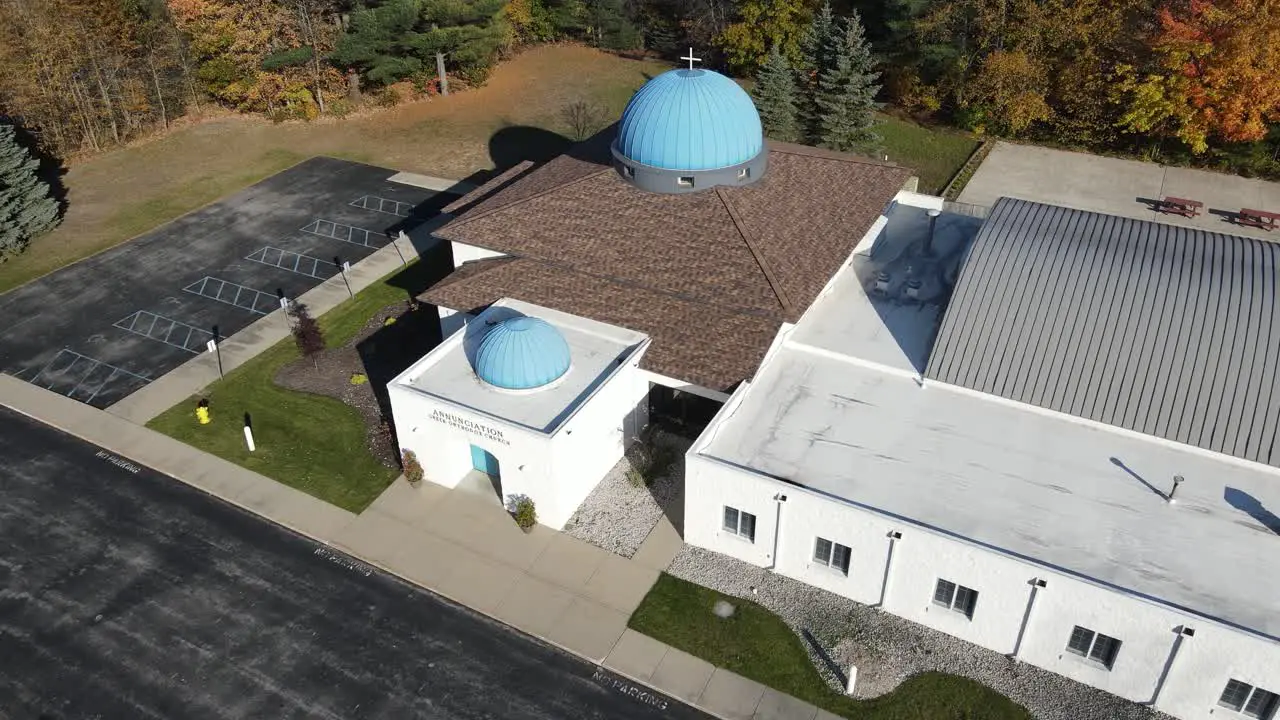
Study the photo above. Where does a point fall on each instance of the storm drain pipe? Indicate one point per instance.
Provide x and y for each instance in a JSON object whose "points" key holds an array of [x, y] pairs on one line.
{"points": [[894, 537], [1036, 586]]}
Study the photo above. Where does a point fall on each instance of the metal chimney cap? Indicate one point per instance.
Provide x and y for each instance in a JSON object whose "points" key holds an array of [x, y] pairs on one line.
{"points": [[1177, 479], [934, 212]]}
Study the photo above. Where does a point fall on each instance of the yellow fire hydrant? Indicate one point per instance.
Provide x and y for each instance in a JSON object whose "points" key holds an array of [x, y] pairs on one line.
{"points": [[202, 412]]}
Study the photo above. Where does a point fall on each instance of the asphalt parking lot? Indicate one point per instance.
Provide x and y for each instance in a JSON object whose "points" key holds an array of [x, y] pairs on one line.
{"points": [[126, 594], [98, 330]]}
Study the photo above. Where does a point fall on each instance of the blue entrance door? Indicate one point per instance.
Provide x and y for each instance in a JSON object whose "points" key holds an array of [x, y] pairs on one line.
{"points": [[484, 461]]}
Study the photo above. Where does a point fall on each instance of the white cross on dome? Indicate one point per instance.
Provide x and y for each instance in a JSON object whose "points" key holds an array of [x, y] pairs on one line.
{"points": [[691, 58]]}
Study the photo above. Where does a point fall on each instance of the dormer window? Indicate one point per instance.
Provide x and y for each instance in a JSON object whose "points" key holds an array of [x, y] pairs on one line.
{"points": [[628, 171], [685, 181], [744, 174]]}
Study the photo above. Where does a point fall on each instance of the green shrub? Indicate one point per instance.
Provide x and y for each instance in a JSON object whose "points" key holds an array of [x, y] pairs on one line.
{"points": [[359, 379], [412, 468], [523, 510]]}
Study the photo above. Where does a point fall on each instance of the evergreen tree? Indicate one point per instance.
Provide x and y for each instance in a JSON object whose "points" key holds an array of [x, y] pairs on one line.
{"points": [[846, 94], [26, 206], [820, 47], [775, 98], [392, 41]]}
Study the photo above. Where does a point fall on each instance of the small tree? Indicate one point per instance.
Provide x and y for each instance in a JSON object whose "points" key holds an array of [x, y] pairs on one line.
{"points": [[583, 118], [306, 332], [775, 98], [847, 93], [27, 207]]}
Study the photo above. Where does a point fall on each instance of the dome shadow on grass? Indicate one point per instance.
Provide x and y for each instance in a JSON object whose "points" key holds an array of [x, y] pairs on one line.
{"points": [[758, 645]]}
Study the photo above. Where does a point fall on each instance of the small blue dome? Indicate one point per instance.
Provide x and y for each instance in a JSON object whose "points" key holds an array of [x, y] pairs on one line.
{"points": [[690, 120], [522, 353]]}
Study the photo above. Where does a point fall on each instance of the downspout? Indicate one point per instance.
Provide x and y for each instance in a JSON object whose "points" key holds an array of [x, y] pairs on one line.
{"points": [[1183, 632], [1036, 586], [894, 537], [778, 500]]}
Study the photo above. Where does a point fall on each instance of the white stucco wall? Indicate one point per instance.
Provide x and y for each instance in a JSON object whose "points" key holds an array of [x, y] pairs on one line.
{"points": [[593, 441], [1147, 630], [463, 252], [444, 448], [556, 471]]}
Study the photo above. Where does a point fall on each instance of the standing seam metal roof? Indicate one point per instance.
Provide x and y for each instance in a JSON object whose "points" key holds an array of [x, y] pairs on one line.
{"points": [[1165, 330]]}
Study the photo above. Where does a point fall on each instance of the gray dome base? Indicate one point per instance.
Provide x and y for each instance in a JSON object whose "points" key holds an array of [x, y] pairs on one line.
{"points": [[675, 182]]}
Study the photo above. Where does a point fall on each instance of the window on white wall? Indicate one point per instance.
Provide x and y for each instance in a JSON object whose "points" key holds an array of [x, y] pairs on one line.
{"points": [[1095, 646], [832, 554], [1253, 701], [955, 597], [742, 524]]}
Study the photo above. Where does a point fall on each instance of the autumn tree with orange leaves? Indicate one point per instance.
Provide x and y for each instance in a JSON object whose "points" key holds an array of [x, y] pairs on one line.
{"points": [[1215, 72]]}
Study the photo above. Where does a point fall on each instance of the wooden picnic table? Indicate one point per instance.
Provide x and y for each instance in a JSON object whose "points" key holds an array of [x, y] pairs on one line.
{"points": [[1257, 218], [1179, 206]]}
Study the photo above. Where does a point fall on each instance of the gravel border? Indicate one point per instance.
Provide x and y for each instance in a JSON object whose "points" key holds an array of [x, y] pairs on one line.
{"points": [[888, 649], [617, 516]]}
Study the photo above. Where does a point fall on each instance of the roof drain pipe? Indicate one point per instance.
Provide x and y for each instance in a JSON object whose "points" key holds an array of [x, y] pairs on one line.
{"points": [[1183, 632], [1036, 586], [778, 500], [894, 537]]}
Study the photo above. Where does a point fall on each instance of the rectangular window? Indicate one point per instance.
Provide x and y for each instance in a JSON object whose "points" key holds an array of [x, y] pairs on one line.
{"points": [[742, 524], [1097, 647], [1253, 701], [832, 554], [686, 181], [955, 597], [744, 173], [628, 171]]}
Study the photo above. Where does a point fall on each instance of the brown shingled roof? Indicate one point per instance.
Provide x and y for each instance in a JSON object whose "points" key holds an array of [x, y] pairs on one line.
{"points": [[708, 346], [736, 255]]}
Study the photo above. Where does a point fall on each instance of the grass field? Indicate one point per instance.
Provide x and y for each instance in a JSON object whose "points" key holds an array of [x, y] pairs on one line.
{"points": [[517, 114], [312, 443], [935, 155], [756, 644]]}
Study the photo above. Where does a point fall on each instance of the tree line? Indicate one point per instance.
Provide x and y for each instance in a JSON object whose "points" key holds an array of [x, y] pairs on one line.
{"points": [[1158, 77]]}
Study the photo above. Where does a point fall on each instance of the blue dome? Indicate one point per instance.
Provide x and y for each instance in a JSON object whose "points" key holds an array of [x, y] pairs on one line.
{"points": [[690, 120], [522, 353]]}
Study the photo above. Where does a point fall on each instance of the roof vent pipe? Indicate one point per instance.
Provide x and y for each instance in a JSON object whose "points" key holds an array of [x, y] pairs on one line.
{"points": [[1177, 480], [933, 222]]}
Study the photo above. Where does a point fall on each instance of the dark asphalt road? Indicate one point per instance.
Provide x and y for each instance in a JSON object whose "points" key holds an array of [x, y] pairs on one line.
{"points": [[98, 330], [129, 595]]}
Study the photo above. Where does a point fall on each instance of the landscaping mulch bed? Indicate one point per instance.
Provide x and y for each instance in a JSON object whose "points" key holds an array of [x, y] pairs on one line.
{"points": [[378, 352]]}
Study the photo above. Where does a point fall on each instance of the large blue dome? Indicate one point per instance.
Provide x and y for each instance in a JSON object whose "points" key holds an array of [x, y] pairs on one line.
{"points": [[522, 353], [690, 120]]}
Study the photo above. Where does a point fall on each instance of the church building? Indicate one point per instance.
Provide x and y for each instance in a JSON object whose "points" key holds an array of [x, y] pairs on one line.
{"points": [[1052, 433], [651, 266]]}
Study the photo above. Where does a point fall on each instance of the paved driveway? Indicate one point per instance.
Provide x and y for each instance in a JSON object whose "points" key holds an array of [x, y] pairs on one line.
{"points": [[125, 594], [1118, 187]]}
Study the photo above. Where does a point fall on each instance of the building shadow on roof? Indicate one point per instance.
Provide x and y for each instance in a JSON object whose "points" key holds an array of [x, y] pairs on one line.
{"points": [[1244, 502]]}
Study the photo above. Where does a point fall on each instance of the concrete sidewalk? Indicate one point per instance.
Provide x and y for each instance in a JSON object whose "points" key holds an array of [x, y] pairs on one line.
{"points": [[461, 545]]}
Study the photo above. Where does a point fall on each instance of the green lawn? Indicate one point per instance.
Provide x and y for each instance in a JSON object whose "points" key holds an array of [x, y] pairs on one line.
{"points": [[936, 155], [313, 443], [756, 644]]}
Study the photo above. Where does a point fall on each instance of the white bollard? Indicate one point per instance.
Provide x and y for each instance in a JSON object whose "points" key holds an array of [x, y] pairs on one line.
{"points": [[248, 437], [853, 679]]}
